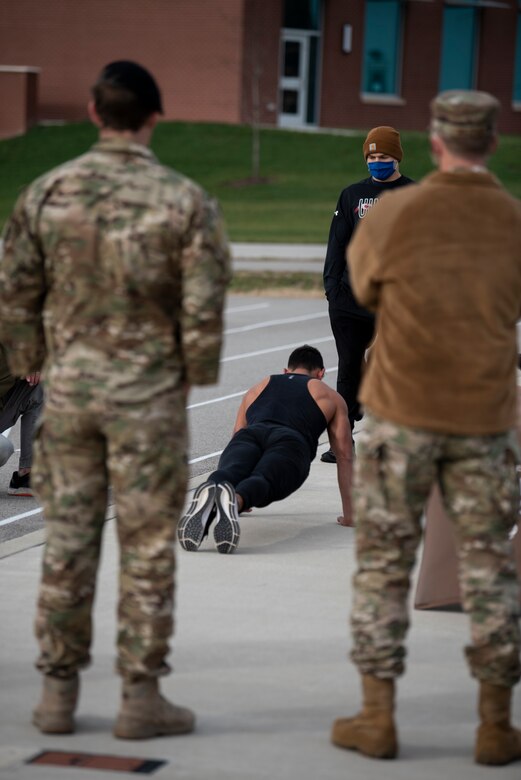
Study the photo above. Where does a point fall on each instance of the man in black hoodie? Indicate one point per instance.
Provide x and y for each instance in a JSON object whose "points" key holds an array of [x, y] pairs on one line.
{"points": [[352, 325]]}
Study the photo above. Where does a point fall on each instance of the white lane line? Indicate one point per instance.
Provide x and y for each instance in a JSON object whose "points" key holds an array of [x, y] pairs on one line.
{"points": [[271, 323], [251, 307], [216, 400], [275, 349], [14, 518], [205, 457], [236, 395]]}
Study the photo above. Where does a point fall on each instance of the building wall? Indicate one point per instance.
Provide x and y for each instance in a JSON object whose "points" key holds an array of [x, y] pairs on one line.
{"points": [[18, 93], [262, 24], [420, 68], [205, 54], [193, 47], [497, 51], [342, 104]]}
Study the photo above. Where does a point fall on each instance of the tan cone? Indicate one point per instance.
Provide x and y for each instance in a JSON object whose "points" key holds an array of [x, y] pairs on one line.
{"points": [[55, 712], [144, 713], [497, 742], [371, 732]]}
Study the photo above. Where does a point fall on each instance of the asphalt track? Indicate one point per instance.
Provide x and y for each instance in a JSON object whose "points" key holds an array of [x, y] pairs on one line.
{"points": [[260, 333], [261, 637]]}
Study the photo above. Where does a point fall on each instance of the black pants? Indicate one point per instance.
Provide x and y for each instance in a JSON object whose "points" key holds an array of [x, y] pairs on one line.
{"points": [[352, 337], [264, 463]]}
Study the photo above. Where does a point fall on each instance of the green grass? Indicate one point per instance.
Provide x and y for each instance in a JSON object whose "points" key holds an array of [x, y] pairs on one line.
{"points": [[303, 172], [272, 282]]}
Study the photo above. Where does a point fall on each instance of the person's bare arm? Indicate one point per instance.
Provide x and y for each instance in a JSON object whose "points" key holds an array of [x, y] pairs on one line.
{"points": [[339, 432], [248, 398]]}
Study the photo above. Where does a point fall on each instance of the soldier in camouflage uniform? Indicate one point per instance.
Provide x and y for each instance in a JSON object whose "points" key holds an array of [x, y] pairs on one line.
{"points": [[440, 264], [113, 282]]}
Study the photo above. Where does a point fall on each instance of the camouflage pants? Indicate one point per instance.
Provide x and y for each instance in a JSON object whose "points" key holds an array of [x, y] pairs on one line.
{"points": [[140, 450], [395, 469]]}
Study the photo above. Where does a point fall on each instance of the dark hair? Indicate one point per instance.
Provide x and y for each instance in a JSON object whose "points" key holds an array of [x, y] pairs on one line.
{"points": [[306, 357], [125, 95]]}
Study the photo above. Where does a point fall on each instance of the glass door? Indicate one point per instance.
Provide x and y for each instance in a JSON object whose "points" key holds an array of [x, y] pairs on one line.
{"points": [[293, 82]]}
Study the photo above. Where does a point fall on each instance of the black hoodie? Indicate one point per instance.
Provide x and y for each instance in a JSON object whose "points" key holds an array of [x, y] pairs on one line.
{"points": [[352, 206]]}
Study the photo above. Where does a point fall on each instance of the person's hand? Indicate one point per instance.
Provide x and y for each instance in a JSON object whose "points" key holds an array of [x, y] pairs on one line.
{"points": [[345, 521], [33, 379]]}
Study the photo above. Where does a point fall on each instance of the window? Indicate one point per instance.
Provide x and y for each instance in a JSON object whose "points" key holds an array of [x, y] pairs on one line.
{"points": [[302, 14], [382, 47], [517, 60], [458, 47]]}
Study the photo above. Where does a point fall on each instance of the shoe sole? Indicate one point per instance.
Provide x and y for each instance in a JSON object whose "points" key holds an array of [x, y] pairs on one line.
{"points": [[20, 492], [134, 729], [48, 724], [194, 525], [227, 530]]}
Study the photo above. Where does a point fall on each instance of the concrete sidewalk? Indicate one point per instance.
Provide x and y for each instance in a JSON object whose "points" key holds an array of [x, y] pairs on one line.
{"points": [[259, 654], [278, 257], [273, 257]]}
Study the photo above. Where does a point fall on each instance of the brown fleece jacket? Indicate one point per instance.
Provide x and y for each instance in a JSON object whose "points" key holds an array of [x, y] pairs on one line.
{"points": [[440, 264]]}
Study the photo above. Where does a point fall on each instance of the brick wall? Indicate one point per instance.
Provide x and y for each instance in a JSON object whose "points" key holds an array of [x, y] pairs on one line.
{"points": [[263, 22], [203, 52], [193, 47], [18, 99]]}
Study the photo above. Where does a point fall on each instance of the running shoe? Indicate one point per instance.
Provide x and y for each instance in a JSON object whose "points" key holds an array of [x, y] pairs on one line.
{"points": [[195, 524], [328, 457], [20, 486], [226, 531]]}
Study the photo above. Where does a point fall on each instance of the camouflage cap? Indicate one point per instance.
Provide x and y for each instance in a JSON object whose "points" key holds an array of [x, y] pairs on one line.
{"points": [[464, 116]]}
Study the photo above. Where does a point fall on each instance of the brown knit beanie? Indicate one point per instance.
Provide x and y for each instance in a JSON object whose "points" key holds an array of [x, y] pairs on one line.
{"points": [[383, 140]]}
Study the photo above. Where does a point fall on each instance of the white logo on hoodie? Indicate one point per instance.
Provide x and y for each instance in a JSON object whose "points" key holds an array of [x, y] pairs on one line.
{"points": [[364, 204]]}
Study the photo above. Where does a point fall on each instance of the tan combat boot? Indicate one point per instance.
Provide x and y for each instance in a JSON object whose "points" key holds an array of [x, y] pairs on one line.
{"points": [[145, 713], [371, 732], [497, 741], [54, 714]]}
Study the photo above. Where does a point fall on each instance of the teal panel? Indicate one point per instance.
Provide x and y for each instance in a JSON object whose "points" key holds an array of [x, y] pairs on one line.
{"points": [[458, 48], [382, 43]]}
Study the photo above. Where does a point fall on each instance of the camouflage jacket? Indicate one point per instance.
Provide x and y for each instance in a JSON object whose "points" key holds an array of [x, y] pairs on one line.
{"points": [[113, 277]]}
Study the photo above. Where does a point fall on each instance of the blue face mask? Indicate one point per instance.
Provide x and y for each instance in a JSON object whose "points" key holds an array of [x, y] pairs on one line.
{"points": [[381, 170]]}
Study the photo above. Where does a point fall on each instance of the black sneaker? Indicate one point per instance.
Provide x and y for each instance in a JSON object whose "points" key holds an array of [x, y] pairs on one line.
{"points": [[226, 531], [20, 486], [195, 524], [328, 457]]}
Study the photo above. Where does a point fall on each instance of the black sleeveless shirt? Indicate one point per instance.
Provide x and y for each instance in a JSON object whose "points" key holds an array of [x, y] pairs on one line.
{"points": [[286, 401]]}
